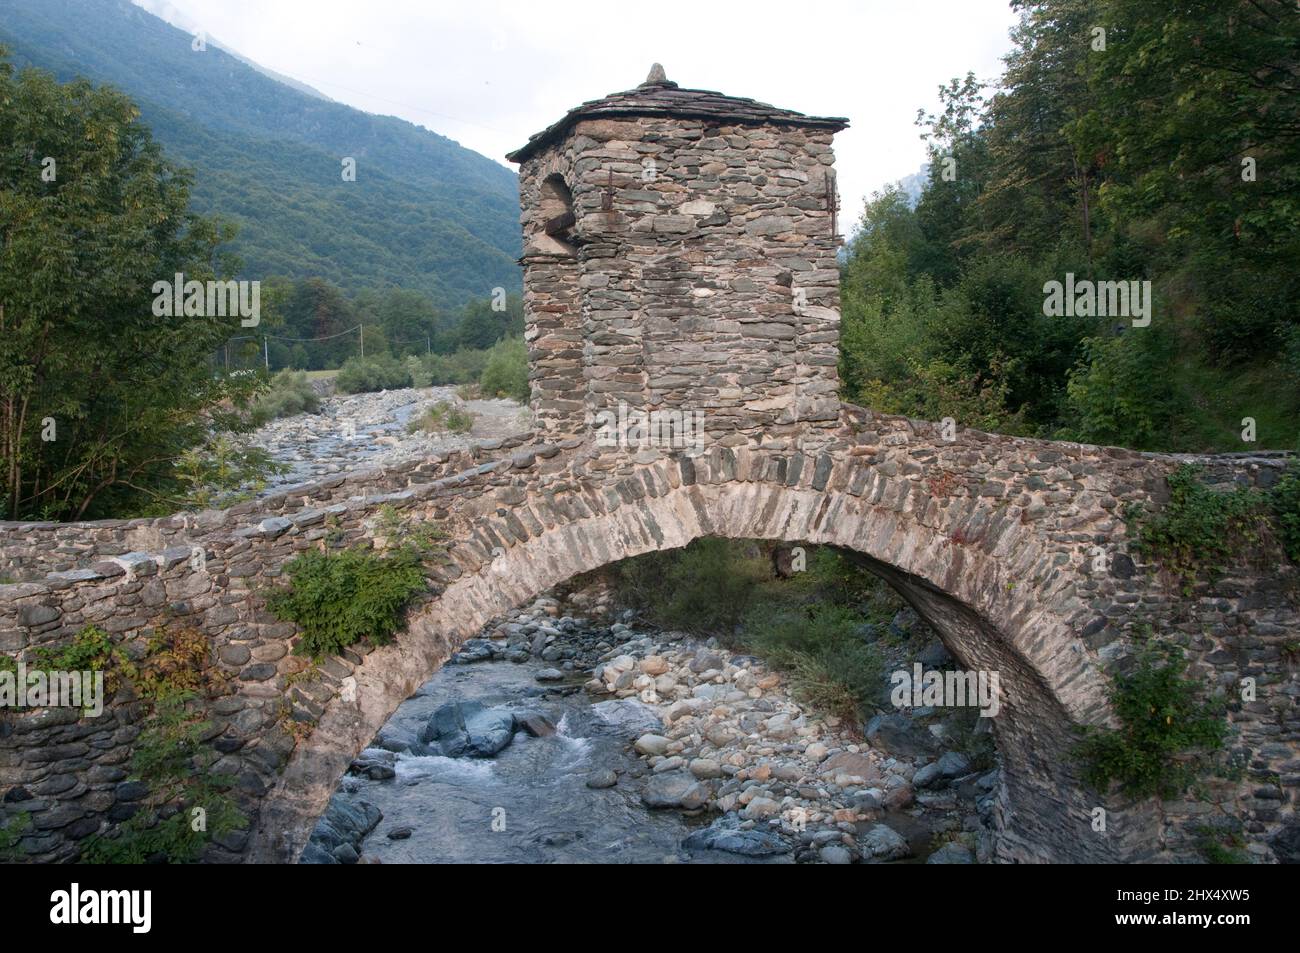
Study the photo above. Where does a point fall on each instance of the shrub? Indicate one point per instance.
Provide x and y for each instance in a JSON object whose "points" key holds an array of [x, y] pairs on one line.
{"points": [[171, 678], [459, 367], [290, 393], [1165, 732], [705, 587], [819, 646], [442, 417], [172, 760], [11, 833], [221, 472], [341, 598], [506, 372], [91, 650], [1199, 528], [363, 375], [418, 371], [1286, 510]]}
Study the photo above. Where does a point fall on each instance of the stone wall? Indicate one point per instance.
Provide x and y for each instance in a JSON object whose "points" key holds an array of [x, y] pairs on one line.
{"points": [[31, 550], [991, 538]]}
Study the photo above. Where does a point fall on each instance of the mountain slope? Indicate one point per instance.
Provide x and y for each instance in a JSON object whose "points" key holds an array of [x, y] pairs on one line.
{"points": [[423, 213]]}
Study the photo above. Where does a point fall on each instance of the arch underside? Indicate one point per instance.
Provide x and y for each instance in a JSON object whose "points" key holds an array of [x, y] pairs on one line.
{"points": [[984, 606]]}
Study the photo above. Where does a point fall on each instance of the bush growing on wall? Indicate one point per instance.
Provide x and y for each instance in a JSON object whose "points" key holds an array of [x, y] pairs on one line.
{"points": [[341, 598], [1166, 730]]}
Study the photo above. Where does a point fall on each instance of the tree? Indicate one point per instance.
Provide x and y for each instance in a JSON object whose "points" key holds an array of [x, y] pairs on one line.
{"points": [[98, 395]]}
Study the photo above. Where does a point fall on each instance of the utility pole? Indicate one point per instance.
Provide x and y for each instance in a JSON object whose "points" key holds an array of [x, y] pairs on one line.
{"points": [[363, 340], [266, 353]]}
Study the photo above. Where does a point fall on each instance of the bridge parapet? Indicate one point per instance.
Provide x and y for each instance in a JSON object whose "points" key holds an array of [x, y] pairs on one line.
{"points": [[989, 536]]}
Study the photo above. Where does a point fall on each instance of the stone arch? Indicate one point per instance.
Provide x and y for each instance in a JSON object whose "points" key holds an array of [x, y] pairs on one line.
{"points": [[1049, 682]]}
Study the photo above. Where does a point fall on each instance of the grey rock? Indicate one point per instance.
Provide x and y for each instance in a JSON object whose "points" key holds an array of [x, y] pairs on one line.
{"points": [[835, 854], [599, 780], [727, 834], [951, 853], [675, 789], [469, 730], [882, 842]]}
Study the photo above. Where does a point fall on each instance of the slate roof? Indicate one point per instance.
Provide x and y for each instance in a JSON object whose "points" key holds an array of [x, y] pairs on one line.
{"points": [[662, 97]]}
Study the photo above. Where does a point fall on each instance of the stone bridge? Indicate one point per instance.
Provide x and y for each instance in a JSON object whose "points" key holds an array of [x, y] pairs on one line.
{"points": [[700, 281]]}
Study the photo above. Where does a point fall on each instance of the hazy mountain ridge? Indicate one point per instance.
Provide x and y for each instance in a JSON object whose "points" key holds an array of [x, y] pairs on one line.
{"points": [[424, 213]]}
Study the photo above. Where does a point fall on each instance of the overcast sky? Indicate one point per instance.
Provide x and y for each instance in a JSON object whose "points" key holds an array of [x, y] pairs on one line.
{"points": [[488, 73]]}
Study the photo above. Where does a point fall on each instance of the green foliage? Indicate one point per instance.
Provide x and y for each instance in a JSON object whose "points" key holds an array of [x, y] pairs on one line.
{"points": [[705, 588], [341, 598], [1286, 510], [1199, 529], [1124, 165], [172, 678], [220, 472], [188, 803], [458, 367], [362, 375], [506, 371], [11, 833], [830, 666], [290, 393], [81, 351], [1221, 847], [442, 417], [91, 650], [1166, 730]]}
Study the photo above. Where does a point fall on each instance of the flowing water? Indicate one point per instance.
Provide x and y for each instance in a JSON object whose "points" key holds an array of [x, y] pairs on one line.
{"points": [[530, 803]]}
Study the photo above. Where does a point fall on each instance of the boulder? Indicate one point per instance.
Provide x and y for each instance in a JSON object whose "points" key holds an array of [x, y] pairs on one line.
{"points": [[627, 716], [468, 730], [954, 764], [340, 831], [675, 789], [726, 834], [951, 853], [377, 764], [901, 736], [534, 723], [652, 744], [882, 842], [852, 765]]}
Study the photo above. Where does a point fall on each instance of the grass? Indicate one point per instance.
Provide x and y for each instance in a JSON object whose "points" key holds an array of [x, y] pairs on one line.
{"points": [[442, 417]]}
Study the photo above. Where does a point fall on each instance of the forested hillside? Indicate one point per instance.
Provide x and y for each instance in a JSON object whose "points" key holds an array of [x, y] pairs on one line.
{"points": [[1127, 140], [423, 213]]}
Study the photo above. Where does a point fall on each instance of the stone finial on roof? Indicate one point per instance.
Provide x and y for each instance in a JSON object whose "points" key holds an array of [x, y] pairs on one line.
{"points": [[656, 77]]}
